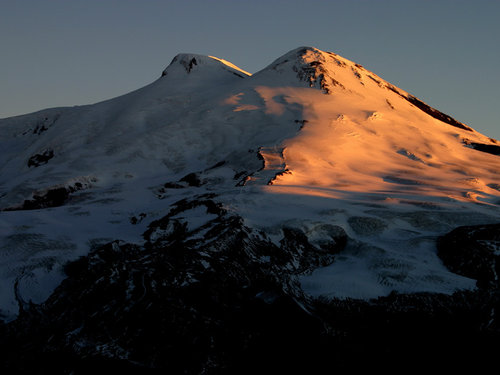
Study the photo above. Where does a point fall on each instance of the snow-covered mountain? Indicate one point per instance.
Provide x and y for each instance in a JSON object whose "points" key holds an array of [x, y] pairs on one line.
{"points": [[312, 179]]}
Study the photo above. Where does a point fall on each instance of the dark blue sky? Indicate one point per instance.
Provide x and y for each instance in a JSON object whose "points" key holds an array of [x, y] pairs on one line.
{"points": [[72, 52]]}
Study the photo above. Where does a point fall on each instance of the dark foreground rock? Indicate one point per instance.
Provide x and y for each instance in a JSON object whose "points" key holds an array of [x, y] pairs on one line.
{"points": [[51, 197], [473, 251], [223, 299]]}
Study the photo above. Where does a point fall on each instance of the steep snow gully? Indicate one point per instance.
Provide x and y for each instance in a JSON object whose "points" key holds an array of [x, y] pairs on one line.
{"points": [[311, 217]]}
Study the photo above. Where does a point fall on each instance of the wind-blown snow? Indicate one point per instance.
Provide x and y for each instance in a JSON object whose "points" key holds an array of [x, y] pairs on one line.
{"points": [[313, 138]]}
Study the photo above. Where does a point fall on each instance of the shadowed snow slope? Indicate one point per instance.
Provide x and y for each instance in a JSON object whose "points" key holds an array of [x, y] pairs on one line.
{"points": [[312, 139]]}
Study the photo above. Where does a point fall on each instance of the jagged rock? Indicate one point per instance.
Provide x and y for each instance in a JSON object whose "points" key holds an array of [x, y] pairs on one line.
{"points": [[226, 304], [473, 251], [493, 149], [52, 197], [191, 179], [40, 159], [181, 302]]}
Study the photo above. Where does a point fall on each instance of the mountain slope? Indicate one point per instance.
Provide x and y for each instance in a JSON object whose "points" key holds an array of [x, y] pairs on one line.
{"points": [[312, 186]]}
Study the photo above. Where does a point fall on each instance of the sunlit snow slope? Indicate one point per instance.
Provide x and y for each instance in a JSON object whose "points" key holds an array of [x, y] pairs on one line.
{"points": [[312, 139]]}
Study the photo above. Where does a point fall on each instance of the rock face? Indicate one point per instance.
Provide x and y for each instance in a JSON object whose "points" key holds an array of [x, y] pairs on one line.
{"points": [[40, 159], [473, 251], [188, 301], [222, 299], [54, 196]]}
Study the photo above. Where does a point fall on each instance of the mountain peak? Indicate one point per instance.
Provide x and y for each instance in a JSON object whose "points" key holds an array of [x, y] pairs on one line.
{"points": [[187, 63], [330, 72], [310, 191], [296, 56], [310, 65]]}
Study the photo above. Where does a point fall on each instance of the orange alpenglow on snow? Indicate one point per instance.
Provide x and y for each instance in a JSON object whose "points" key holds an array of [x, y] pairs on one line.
{"points": [[365, 135]]}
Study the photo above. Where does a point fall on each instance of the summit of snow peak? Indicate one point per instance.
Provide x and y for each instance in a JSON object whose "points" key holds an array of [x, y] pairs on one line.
{"points": [[314, 68], [187, 63], [331, 73]]}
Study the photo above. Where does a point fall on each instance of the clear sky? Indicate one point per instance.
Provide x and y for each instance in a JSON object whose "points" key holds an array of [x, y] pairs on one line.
{"points": [[72, 52]]}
